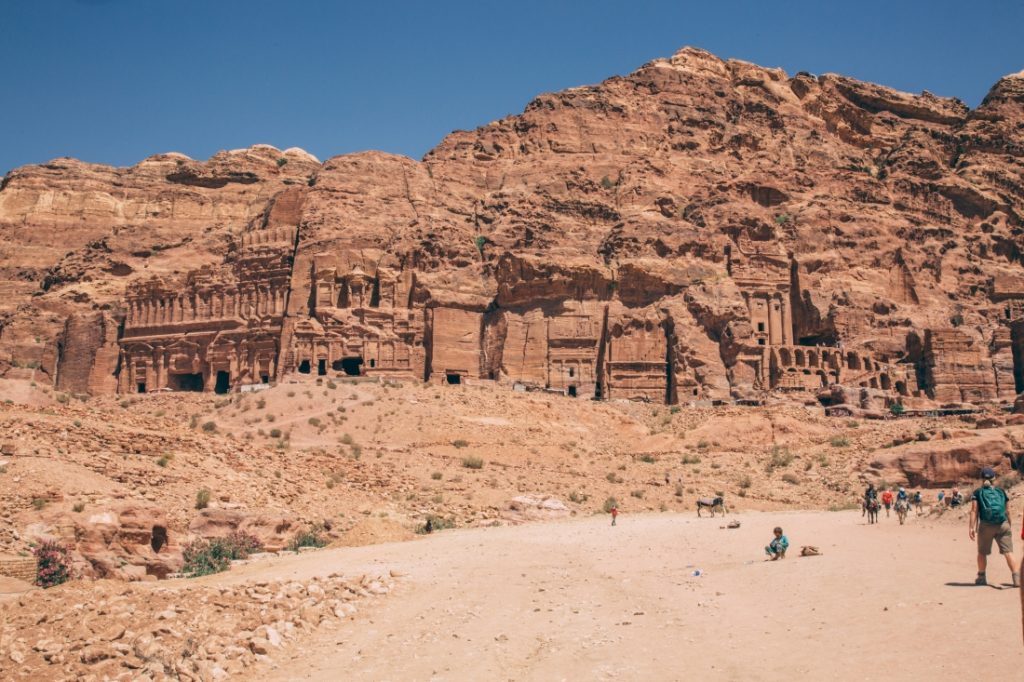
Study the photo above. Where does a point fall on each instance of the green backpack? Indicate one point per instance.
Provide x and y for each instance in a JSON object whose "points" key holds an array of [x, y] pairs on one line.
{"points": [[992, 505]]}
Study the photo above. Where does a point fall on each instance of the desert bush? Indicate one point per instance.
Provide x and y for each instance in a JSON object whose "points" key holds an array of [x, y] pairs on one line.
{"points": [[436, 475], [613, 478], [744, 482], [210, 427], [639, 494], [780, 458], [311, 537], [897, 409], [1007, 481], [703, 445], [578, 497], [690, 459], [347, 439], [275, 433], [790, 478], [163, 461], [472, 463], [648, 459], [679, 489], [38, 503], [204, 557], [839, 441], [609, 503], [313, 421], [460, 443], [52, 564], [78, 507], [202, 498], [433, 522]]}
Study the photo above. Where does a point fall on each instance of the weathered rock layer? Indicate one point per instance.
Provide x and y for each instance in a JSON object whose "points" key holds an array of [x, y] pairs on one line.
{"points": [[699, 229]]}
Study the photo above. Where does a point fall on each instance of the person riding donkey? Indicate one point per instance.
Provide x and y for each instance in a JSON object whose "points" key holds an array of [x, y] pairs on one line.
{"points": [[869, 494], [989, 521]]}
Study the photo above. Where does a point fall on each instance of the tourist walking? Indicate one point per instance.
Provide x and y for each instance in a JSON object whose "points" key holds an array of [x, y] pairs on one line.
{"points": [[614, 512], [989, 521]]}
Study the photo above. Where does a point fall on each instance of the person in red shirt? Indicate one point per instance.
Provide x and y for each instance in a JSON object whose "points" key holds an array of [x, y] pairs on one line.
{"points": [[615, 513], [887, 500]]}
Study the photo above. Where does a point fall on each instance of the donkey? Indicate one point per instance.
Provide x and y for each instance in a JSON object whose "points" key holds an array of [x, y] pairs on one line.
{"points": [[712, 503], [872, 507]]}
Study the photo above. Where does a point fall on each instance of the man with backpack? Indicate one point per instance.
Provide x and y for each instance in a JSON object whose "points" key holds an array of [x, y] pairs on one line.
{"points": [[989, 521]]}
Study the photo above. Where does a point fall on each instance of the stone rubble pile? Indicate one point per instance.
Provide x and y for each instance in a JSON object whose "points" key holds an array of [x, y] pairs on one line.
{"points": [[189, 632]]}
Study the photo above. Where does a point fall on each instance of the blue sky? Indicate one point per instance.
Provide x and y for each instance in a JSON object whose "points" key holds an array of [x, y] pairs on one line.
{"points": [[114, 81]]}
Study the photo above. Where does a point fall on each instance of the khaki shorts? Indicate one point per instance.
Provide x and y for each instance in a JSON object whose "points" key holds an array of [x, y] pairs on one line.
{"points": [[987, 532]]}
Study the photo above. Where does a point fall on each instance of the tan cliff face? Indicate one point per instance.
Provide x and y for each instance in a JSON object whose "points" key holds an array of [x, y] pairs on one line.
{"points": [[699, 229]]}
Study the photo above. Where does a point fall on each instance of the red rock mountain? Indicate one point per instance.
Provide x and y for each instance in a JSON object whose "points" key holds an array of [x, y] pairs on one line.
{"points": [[699, 229]]}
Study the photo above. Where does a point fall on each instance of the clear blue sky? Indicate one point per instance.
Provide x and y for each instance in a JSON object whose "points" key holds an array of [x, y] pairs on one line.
{"points": [[114, 81]]}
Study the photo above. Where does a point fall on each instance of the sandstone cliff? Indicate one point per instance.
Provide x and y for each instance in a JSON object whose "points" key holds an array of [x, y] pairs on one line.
{"points": [[699, 229]]}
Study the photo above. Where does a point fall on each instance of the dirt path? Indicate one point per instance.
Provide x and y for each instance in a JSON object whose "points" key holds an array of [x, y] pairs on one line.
{"points": [[581, 600]]}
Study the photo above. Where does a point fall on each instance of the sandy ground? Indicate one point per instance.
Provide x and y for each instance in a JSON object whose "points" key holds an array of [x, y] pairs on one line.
{"points": [[579, 600]]}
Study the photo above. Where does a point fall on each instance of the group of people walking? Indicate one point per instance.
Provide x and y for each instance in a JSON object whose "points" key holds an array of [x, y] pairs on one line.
{"points": [[988, 521]]}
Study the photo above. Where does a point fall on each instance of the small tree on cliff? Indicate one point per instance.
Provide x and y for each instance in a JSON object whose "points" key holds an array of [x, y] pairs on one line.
{"points": [[52, 564]]}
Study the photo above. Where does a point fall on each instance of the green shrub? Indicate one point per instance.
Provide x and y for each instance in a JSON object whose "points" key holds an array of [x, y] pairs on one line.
{"points": [[210, 427], [52, 564], [606, 182], [460, 443], [648, 459], [780, 458], [472, 463], [897, 409], [311, 537], [433, 522], [163, 461], [204, 557], [609, 503], [202, 498], [839, 441], [281, 161], [38, 503], [313, 421]]}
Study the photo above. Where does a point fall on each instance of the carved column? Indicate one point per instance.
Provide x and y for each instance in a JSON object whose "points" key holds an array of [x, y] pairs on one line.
{"points": [[787, 322], [774, 321]]}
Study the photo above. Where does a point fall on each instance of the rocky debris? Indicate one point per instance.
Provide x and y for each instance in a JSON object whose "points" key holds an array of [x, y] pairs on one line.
{"points": [[524, 508], [189, 632]]}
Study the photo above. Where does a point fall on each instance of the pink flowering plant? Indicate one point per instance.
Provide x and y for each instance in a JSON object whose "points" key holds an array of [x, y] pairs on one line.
{"points": [[52, 564]]}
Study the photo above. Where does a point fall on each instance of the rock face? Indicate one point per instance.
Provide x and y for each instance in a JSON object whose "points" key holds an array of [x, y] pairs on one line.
{"points": [[698, 229], [128, 542], [942, 462]]}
